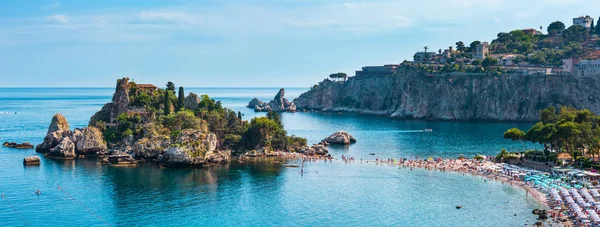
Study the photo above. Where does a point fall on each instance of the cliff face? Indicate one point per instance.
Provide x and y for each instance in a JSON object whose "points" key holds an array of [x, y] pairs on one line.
{"points": [[411, 93]]}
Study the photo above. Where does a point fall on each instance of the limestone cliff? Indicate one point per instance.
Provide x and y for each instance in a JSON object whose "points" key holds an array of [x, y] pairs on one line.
{"points": [[412, 93]]}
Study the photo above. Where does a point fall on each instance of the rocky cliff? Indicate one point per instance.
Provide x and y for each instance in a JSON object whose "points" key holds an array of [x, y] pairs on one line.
{"points": [[412, 93]]}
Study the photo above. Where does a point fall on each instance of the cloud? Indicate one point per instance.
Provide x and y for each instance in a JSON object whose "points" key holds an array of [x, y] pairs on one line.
{"points": [[181, 17], [53, 5], [58, 18]]}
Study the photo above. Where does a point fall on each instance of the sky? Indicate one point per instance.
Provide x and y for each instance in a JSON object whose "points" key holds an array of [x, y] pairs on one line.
{"points": [[243, 43]]}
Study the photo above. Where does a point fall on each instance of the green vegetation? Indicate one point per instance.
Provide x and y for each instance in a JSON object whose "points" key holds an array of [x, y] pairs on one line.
{"points": [[560, 43], [152, 117], [180, 100], [569, 130]]}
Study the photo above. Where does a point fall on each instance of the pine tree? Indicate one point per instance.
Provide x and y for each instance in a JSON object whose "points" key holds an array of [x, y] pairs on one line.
{"points": [[167, 103], [592, 28], [240, 115], [180, 99]]}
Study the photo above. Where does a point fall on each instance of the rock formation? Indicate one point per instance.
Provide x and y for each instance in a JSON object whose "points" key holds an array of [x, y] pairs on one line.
{"points": [[151, 147], [61, 142], [89, 141], [194, 148], [279, 104], [412, 93], [191, 101], [119, 104], [65, 149], [31, 160], [254, 103], [58, 129], [24, 145], [340, 137]]}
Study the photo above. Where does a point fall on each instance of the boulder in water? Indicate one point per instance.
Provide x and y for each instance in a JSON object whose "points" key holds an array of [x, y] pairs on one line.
{"points": [[17, 145], [340, 137], [65, 149], [121, 159], [31, 160], [255, 102], [58, 129]]}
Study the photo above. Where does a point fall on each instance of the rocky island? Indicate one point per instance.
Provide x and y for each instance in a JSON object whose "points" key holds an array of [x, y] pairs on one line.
{"points": [[151, 124], [410, 92], [278, 104]]}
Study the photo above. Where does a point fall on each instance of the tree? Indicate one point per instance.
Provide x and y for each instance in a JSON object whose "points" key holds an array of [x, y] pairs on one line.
{"points": [[180, 100], [487, 62], [338, 76], [598, 27], [555, 27], [167, 103], [476, 62], [592, 28], [460, 46], [473, 45], [575, 33], [515, 134], [171, 87]]}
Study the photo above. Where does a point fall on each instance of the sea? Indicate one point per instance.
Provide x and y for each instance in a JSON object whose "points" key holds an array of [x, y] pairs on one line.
{"points": [[263, 193]]}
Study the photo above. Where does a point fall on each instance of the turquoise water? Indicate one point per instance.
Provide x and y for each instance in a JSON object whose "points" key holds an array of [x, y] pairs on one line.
{"points": [[263, 194]]}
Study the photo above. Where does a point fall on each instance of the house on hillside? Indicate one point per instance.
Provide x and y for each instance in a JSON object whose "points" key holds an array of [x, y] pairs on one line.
{"points": [[531, 31], [585, 22]]}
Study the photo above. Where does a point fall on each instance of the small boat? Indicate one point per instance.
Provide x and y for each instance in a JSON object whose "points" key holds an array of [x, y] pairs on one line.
{"points": [[427, 130], [458, 207], [371, 153]]}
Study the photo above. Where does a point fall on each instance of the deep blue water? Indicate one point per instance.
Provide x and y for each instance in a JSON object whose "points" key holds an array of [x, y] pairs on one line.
{"points": [[263, 194]]}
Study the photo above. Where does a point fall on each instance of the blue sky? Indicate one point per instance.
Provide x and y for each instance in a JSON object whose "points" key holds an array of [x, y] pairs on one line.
{"points": [[255, 43]]}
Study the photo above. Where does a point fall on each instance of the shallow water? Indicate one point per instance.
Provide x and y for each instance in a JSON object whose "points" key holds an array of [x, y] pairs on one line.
{"points": [[266, 193]]}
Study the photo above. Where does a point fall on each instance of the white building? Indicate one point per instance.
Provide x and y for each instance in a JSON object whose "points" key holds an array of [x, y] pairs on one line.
{"points": [[567, 65], [586, 21], [588, 67]]}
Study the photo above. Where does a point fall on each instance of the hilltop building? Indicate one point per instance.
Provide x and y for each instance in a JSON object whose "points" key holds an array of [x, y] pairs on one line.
{"points": [[585, 22], [388, 69], [482, 50], [146, 88], [421, 57], [531, 31]]}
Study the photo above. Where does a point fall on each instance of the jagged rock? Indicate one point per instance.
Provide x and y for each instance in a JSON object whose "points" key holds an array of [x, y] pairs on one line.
{"points": [[413, 93], [340, 137], [58, 129], [150, 148], [119, 104], [25, 145], [194, 148], [31, 160], [279, 104], [89, 141], [255, 102], [59, 123], [65, 149], [191, 101]]}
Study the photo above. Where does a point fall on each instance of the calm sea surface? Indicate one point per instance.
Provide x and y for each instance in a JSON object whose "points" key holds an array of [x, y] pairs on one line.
{"points": [[263, 194]]}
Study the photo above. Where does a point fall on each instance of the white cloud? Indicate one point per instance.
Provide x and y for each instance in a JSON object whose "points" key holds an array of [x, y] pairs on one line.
{"points": [[168, 16], [53, 5], [58, 18]]}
